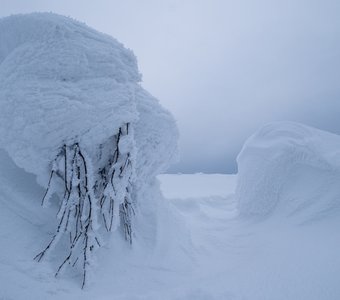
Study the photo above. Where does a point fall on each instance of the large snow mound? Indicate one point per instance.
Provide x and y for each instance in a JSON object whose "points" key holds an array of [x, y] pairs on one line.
{"points": [[72, 112], [62, 81], [289, 168]]}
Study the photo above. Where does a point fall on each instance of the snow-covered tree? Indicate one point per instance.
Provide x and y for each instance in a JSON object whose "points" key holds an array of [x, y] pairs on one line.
{"points": [[77, 117]]}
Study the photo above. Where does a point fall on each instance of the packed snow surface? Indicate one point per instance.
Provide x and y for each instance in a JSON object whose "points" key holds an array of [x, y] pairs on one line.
{"points": [[289, 168], [228, 257], [210, 251]]}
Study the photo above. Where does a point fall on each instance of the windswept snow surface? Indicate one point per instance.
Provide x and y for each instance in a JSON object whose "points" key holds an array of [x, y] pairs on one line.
{"points": [[292, 169], [228, 257]]}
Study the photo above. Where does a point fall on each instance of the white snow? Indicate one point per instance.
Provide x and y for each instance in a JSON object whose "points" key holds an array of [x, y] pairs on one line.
{"points": [[67, 91], [269, 232], [289, 167], [61, 81], [227, 257], [156, 137]]}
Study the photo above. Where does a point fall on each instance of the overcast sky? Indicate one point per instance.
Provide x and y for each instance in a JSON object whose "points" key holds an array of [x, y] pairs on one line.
{"points": [[223, 68]]}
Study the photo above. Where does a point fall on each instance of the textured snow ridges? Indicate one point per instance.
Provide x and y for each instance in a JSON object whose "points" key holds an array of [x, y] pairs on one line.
{"points": [[290, 165]]}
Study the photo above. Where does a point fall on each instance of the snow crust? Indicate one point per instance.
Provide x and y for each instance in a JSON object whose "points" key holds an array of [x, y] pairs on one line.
{"points": [[60, 82], [289, 168]]}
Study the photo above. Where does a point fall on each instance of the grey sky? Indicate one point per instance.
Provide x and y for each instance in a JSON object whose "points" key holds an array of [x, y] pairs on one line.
{"points": [[224, 68]]}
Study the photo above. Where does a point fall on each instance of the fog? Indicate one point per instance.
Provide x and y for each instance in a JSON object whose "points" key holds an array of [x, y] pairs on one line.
{"points": [[224, 68]]}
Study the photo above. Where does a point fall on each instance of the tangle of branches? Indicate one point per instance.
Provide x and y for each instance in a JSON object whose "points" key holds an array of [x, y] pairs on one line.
{"points": [[87, 193]]}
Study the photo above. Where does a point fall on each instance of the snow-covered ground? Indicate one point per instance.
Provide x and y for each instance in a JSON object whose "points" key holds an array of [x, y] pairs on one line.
{"points": [[272, 257], [269, 232], [228, 257]]}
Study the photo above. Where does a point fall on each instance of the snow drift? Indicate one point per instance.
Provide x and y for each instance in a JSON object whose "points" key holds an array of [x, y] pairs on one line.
{"points": [[289, 168], [74, 114]]}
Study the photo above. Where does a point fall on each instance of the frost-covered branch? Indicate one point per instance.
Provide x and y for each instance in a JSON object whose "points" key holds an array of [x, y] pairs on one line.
{"points": [[79, 207], [77, 210], [115, 197]]}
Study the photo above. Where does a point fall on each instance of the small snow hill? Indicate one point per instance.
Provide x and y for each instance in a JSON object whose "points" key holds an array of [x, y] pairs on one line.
{"points": [[291, 169]]}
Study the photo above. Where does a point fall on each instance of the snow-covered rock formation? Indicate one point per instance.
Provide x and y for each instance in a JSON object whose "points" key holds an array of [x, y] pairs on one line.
{"points": [[60, 81], [291, 169], [74, 114]]}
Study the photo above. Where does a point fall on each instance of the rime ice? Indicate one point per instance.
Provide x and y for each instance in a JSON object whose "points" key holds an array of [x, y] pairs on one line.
{"points": [[74, 114], [61, 80]]}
